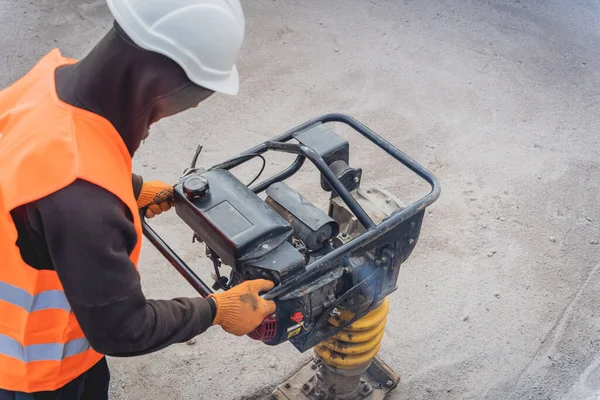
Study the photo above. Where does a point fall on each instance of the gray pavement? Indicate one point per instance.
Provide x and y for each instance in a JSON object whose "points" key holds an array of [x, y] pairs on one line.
{"points": [[498, 98]]}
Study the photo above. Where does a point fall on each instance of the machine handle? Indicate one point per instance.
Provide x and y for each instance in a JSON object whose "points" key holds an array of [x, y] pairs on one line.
{"points": [[197, 283], [202, 288]]}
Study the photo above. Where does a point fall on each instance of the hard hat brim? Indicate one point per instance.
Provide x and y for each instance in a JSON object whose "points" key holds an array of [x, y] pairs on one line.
{"points": [[229, 85]]}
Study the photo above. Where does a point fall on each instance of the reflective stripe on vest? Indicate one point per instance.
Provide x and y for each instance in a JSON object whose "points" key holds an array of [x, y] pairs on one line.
{"points": [[44, 300], [41, 352]]}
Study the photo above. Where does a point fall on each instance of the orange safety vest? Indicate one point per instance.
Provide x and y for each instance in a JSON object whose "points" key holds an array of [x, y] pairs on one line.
{"points": [[45, 145]]}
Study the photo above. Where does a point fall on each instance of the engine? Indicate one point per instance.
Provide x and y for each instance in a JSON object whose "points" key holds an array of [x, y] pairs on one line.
{"points": [[324, 262]]}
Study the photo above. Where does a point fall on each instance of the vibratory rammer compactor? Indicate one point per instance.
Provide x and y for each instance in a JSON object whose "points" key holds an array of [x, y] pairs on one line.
{"points": [[333, 270]]}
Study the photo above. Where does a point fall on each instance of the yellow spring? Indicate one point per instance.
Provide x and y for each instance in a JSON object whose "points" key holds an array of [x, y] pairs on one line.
{"points": [[357, 344]]}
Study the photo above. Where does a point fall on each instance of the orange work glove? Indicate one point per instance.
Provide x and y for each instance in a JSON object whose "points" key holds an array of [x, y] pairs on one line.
{"points": [[157, 196], [241, 309]]}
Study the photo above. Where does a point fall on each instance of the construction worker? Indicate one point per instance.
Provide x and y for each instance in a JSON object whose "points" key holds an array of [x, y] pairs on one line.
{"points": [[70, 233]]}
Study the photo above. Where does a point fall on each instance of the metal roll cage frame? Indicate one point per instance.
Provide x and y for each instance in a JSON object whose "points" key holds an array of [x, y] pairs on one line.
{"points": [[328, 261]]}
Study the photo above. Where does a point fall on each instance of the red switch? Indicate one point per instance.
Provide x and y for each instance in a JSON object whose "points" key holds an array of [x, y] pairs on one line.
{"points": [[297, 317]]}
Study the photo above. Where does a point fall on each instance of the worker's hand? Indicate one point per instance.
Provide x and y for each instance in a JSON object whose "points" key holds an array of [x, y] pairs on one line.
{"points": [[157, 196], [241, 309]]}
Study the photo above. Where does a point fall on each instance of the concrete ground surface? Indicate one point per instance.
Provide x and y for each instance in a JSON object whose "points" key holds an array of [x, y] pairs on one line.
{"points": [[498, 98]]}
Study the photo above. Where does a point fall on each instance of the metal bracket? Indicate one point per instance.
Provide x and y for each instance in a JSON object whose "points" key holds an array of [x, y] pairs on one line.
{"points": [[375, 384]]}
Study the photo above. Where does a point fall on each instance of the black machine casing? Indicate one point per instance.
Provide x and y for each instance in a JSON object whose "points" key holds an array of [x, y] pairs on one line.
{"points": [[348, 258], [238, 226]]}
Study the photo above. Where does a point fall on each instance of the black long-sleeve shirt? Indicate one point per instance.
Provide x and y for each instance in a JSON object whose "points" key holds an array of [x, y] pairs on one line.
{"points": [[86, 234]]}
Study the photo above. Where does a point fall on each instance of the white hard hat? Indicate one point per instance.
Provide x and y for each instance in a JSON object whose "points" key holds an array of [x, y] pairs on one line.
{"points": [[202, 36]]}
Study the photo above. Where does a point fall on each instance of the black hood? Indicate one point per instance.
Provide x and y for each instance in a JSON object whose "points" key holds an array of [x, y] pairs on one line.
{"points": [[129, 86]]}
